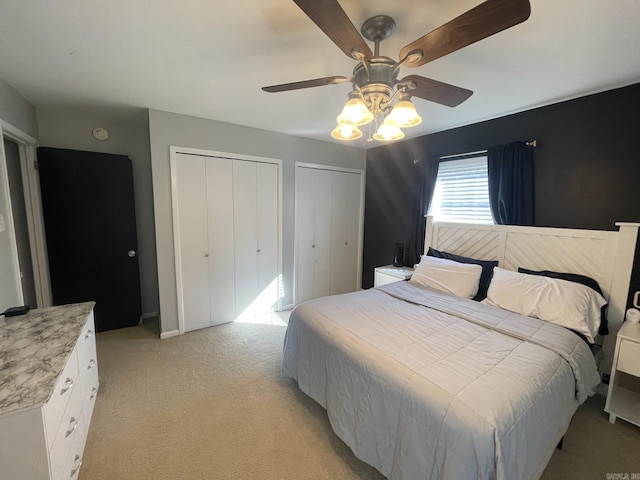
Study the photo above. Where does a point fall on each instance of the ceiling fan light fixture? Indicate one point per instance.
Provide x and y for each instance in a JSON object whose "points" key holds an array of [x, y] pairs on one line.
{"points": [[404, 114], [355, 112], [344, 131], [375, 78], [388, 131]]}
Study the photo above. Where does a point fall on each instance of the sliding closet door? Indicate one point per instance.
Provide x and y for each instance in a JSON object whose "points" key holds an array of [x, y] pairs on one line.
{"points": [[304, 235], [220, 234], [313, 233], [345, 231], [191, 224], [246, 233], [267, 192], [227, 234], [255, 193]]}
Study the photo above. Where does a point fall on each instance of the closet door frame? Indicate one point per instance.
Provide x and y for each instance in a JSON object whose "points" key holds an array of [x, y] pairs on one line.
{"points": [[173, 152], [318, 166]]}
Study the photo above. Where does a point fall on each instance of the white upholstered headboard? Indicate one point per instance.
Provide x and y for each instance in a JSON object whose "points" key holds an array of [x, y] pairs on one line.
{"points": [[606, 256]]}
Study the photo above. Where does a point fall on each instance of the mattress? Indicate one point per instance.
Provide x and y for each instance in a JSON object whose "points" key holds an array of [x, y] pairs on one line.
{"points": [[423, 385]]}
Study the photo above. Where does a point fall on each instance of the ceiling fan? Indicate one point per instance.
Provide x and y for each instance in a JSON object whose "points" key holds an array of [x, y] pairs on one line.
{"points": [[375, 78]]}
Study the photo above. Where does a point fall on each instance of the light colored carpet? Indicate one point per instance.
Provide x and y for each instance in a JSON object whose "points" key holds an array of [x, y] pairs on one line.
{"points": [[211, 405]]}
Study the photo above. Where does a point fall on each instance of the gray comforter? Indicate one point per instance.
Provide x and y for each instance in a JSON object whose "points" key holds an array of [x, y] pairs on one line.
{"points": [[423, 385]]}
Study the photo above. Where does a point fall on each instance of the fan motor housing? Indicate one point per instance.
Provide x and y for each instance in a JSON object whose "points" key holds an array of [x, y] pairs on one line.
{"points": [[378, 70], [376, 80]]}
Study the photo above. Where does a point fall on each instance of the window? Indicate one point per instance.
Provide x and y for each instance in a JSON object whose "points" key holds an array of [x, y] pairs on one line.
{"points": [[462, 192]]}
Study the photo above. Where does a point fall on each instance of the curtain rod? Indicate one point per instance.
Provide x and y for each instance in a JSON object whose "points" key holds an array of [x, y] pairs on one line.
{"points": [[532, 143]]}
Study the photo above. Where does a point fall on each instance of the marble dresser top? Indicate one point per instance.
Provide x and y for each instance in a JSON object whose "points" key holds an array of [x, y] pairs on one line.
{"points": [[34, 349]]}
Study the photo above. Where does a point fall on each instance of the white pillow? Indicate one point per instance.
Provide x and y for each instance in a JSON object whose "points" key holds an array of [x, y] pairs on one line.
{"points": [[564, 303], [459, 279]]}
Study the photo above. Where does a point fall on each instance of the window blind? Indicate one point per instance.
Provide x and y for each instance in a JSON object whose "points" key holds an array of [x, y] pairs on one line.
{"points": [[462, 192]]}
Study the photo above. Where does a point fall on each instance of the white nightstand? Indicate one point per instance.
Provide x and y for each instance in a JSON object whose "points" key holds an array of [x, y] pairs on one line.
{"points": [[623, 399], [389, 273]]}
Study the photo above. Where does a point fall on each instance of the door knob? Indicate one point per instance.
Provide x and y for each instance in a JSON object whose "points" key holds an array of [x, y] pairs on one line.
{"points": [[131, 253]]}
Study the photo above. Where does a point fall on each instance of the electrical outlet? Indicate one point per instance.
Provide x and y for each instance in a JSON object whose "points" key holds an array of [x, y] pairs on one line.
{"points": [[605, 378]]}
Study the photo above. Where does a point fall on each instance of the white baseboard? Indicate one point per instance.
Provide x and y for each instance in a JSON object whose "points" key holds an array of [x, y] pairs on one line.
{"points": [[169, 334], [287, 307]]}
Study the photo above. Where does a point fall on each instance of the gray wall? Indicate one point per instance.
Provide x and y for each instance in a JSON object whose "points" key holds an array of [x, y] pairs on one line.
{"points": [[20, 222], [129, 135], [10, 291], [169, 129], [16, 111]]}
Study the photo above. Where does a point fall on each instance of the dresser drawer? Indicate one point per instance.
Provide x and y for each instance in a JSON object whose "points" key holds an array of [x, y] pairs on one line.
{"points": [[54, 409], [87, 360], [73, 469], [88, 366], [629, 358], [382, 278], [89, 384], [74, 458], [70, 427], [87, 343]]}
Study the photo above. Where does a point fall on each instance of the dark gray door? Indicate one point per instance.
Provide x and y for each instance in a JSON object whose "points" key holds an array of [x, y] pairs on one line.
{"points": [[90, 225]]}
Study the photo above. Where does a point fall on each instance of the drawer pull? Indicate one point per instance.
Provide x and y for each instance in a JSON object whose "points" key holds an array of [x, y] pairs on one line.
{"points": [[89, 334], [67, 386], [92, 363], [94, 392], [77, 460], [73, 424]]}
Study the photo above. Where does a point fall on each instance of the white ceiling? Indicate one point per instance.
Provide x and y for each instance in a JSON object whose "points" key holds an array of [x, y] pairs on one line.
{"points": [[210, 58]]}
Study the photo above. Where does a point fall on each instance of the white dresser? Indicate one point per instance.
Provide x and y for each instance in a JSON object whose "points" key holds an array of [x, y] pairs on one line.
{"points": [[623, 398], [48, 386], [389, 273]]}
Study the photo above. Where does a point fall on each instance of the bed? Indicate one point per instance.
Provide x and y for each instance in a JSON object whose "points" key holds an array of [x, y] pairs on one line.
{"points": [[426, 385]]}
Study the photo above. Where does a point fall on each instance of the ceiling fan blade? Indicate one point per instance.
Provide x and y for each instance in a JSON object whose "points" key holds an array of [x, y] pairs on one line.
{"points": [[330, 17], [316, 82], [437, 92], [480, 22]]}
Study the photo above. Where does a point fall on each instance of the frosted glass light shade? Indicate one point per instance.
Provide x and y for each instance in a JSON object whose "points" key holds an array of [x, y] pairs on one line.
{"points": [[388, 131], [355, 112], [404, 114], [346, 132]]}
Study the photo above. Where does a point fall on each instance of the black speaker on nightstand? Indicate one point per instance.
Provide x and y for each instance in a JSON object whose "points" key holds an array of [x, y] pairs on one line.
{"points": [[398, 255]]}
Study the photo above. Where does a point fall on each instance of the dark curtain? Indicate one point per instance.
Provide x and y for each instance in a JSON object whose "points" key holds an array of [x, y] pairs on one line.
{"points": [[511, 183], [427, 172]]}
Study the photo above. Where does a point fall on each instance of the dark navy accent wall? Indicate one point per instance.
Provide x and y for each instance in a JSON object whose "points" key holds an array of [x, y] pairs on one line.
{"points": [[587, 168]]}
